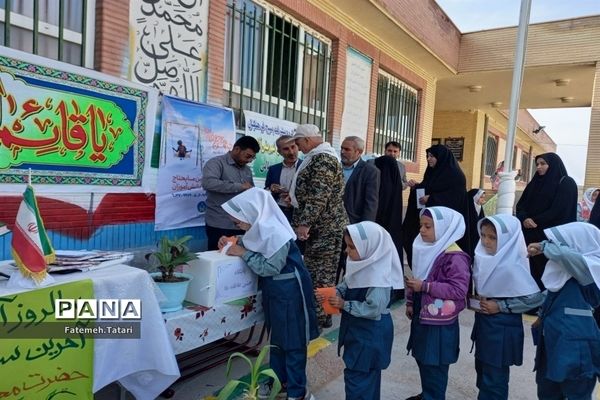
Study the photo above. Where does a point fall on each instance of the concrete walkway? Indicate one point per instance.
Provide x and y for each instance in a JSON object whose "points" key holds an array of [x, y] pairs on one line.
{"points": [[399, 381]]}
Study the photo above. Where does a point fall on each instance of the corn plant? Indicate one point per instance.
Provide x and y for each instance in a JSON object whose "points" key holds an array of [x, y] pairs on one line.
{"points": [[250, 391]]}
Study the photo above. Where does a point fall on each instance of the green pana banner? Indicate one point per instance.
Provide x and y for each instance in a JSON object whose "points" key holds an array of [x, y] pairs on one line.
{"points": [[52, 368], [48, 126]]}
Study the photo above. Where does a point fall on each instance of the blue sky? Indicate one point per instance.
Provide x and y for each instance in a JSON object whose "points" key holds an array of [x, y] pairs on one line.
{"points": [[569, 128]]}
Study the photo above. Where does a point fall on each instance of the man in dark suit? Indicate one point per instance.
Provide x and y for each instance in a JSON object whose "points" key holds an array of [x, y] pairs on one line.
{"points": [[279, 176], [361, 194]]}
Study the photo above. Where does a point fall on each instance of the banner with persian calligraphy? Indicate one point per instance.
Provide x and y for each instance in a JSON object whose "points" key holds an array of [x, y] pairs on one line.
{"points": [[53, 367], [192, 134], [71, 125], [266, 130], [169, 46]]}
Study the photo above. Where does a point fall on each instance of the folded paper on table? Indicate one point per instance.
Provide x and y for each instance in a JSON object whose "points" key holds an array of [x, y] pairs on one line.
{"points": [[328, 292]]}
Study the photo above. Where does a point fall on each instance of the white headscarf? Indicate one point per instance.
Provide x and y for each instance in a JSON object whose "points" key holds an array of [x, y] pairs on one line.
{"points": [[449, 226], [506, 273], [476, 198], [323, 148], [587, 197], [379, 264], [269, 230], [582, 237]]}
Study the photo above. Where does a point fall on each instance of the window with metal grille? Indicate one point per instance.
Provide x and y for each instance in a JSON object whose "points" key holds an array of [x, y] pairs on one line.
{"points": [[56, 29], [275, 65], [396, 114], [525, 166], [491, 155]]}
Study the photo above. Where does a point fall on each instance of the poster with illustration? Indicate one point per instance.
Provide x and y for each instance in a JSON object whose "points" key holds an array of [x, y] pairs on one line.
{"points": [[266, 130], [192, 133]]}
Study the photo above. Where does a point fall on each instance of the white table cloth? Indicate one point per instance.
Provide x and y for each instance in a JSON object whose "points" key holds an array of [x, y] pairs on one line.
{"points": [[196, 326], [145, 366]]}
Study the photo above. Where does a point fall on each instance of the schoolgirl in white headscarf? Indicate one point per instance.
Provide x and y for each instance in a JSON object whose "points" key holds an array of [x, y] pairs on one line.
{"points": [[582, 238], [506, 272], [501, 277], [379, 264], [449, 226], [268, 248], [373, 268], [435, 296], [269, 229], [567, 361]]}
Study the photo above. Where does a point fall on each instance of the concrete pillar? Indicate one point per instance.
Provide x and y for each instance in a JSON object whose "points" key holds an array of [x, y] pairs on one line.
{"points": [[592, 167]]}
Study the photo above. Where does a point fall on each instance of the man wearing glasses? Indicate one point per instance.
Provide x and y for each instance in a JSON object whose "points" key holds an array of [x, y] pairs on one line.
{"points": [[223, 177]]}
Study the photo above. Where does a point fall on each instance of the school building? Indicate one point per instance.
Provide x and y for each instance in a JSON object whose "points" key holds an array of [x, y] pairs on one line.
{"points": [[380, 69]]}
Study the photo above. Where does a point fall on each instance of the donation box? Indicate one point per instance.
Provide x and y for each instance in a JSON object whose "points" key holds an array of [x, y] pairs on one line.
{"points": [[219, 278]]}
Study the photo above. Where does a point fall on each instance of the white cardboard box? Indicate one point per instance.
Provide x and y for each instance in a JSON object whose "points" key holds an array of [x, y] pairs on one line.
{"points": [[219, 278]]}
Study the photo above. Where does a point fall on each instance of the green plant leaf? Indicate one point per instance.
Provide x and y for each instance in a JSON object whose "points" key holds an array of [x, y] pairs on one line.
{"points": [[261, 357], [237, 355], [276, 384], [229, 388]]}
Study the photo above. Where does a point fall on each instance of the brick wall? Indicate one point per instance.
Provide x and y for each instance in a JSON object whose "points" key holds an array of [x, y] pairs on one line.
{"points": [[112, 36]]}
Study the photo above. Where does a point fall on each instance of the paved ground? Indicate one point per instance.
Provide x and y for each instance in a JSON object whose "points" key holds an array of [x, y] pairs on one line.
{"points": [[400, 380]]}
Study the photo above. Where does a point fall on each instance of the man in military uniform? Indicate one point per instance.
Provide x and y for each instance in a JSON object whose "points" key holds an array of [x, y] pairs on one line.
{"points": [[319, 214]]}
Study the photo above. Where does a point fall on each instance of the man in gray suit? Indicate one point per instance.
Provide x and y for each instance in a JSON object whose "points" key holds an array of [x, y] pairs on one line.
{"points": [[361, 194]]}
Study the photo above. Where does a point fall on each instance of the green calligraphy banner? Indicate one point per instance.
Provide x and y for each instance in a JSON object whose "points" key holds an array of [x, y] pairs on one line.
{"points": [[70, 125], [51, 368]]}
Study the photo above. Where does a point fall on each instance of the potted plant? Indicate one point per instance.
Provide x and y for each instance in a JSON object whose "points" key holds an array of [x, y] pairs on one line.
{"points": [[257, 373], [171, 253]]}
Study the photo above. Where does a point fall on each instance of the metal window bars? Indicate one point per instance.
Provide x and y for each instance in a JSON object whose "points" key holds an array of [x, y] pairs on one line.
{"points": [[396, 115], [20, 16], [275, 65]]}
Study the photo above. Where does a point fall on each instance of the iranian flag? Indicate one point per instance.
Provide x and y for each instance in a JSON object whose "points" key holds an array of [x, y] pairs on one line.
{"points": [[31, 248]]}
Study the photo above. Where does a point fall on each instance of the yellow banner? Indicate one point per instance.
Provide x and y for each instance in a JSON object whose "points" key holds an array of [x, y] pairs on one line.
{"points": [[48, 367]]}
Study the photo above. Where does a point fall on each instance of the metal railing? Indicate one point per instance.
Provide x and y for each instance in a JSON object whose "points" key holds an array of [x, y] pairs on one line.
{"points": [[275, 65], [396, 114], [63, 21]]}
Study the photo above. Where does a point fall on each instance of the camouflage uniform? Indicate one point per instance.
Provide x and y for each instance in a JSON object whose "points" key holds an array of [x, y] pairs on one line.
{"points": [[319, 190]]}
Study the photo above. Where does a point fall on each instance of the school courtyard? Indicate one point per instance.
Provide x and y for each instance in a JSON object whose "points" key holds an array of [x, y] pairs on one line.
{"points": [[399, 381]]}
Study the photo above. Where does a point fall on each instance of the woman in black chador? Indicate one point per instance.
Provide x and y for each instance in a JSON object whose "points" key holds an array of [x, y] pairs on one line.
{"points": [[389, 209], [549, 199], [445, 185]]}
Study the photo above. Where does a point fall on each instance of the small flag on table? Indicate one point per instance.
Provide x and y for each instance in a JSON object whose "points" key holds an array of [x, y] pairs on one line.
{"points": [[31, 248]]}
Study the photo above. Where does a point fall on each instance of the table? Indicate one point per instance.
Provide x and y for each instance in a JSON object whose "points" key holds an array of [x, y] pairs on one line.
{"points": [[195, 326], [145, 366], [203, 337]]}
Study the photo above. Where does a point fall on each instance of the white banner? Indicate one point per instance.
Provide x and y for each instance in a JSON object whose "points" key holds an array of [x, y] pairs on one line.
{"points": [[266, 130], [355, 117], [192, 134]]}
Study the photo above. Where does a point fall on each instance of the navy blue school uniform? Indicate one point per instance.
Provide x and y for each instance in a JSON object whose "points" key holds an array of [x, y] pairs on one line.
{"points": [[498, 341], [567, 358], [290, 316], [434, 347], [364, 356]]}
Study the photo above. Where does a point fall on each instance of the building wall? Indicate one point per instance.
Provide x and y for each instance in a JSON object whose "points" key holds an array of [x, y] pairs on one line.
{"points": [[112, 37], [429, 24], [470, 126], [494, 49]]}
